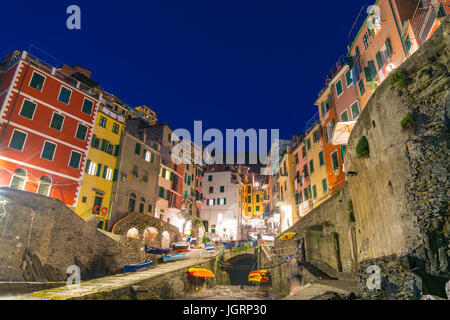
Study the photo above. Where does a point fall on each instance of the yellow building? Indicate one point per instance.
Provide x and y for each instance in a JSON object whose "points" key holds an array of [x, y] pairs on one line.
{"points": [[253, 200], [317, 168], [286, 201], [144, 112], [100, 176]]}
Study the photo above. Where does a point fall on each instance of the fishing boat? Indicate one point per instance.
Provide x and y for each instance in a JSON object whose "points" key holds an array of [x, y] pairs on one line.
{"points": [[172, 257], [287, 236], [200, 273], [258, 276], [180, 246], [137, 266], [153, 250], [229, 245]]}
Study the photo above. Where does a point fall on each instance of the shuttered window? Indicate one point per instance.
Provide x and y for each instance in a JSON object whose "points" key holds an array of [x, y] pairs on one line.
{"points": [[57, 121], [64, 95], [388, 47], [321, 159], [339, 88], [48, 151], [28, 109], [87, 106], [37, 81], [75, 159], [324, 185], [348, 78]]}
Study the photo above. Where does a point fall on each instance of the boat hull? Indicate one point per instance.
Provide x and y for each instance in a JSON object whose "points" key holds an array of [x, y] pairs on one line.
{"points": [[137, 266]]}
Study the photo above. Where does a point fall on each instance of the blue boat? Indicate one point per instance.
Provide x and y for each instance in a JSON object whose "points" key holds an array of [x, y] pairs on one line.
{"points": [[153, 250], [137, 266], [229, 245], [171, 257]]}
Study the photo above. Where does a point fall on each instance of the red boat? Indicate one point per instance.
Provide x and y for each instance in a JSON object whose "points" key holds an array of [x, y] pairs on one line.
{"points": [[180, 247]]}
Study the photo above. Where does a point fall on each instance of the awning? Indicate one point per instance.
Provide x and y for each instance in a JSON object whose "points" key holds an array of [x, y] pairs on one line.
{"points": [[342, 132]]}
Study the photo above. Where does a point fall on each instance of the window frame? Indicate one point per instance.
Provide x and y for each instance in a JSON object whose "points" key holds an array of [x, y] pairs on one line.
{"points": [[82, 105], [70, 158], [23, 104], [54, 151], [340, 116], [12, 136], [59, 95], [332, 164], [31, 79], [78, 128], [62, 123], [336, 88]]}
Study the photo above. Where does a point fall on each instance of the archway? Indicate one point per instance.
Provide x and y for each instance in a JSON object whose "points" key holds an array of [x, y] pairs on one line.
{"points": [[239, 267], [18, 179], [165, 240], [44, 185], [133, 233], [150, 233]]}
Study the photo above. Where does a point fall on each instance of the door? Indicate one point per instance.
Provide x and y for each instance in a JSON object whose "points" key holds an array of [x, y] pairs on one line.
{"points": [[98, 201]]}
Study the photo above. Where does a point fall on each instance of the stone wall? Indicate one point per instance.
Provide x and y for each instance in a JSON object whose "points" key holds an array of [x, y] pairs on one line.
{"points": [[40, 238], [400, 192], [328, 234]]}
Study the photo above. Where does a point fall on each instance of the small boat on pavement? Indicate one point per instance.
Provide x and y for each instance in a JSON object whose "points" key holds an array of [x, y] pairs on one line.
{"points": [[153, 250], [180, 246], [200, 273], [137, 266], [172, 257], [287, 236]]}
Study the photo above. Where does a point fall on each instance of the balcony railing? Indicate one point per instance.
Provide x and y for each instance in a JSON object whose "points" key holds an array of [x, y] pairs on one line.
{"points": [[423, 19]]}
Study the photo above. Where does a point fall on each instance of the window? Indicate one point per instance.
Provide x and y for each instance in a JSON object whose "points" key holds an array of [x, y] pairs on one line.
{"points": [[317, 135], [81, 132], [57, 121], [361, 87], [145, 175], [75, 158], [311, 166], [387, 43], [222, 188], [335, 161], [339, 89], [87, 106], [348, 78], [355, 110], [257, 208], [370, 71], [135, 171], [324, 185], [142, 205], [28, 109], [64, 95], [344, 116], [17, 140], [95, 142], [48, 151], [296, 158], [37, 81], [321, 159], [210, 178], [366, 40], [211, 189], [137, 149], [249, 199], [105, 172], [149, 208], [303, 151], [408, 43], [314, 190], [18, 179], [249, 209], [44, 186], [115, 128], [257, 198], [131, 202], [102, 122], [147, 155], [99, 170], [115, 175], [91, 167]]}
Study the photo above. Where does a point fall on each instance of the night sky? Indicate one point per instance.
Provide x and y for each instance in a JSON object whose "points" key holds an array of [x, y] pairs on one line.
{"points": [[233, 64]]}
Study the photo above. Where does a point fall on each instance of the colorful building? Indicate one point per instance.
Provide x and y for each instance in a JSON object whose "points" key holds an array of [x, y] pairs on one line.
{"points": [[101, 172], [303, 204], [47, 118]]}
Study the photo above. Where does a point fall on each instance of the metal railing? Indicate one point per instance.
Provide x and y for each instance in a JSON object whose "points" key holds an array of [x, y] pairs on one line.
{"points": [[423, 19]]}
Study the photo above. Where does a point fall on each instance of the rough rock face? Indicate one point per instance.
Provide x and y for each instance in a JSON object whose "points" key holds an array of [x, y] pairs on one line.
{"points": [[401, 191], [40, 238]]}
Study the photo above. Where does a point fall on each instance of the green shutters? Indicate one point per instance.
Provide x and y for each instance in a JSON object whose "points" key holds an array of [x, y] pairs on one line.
{"points": [[296, 158], [355, 110], [137, 149], [324, 185], [222, 188], [152, 158], [161, 192], [57, 121], [343, 148], [116, 150], [17, 140], [99, 170], [87, 106], [75, 159], [348, 78], [314, 190], [28, 109], [344, 116], [311, 166], [303, 152], [105, 172], [115, 128], [339, 88], [321, 159], [379, 60], [388, 47], [37, 81], [48, 151], [64, 95], [408, 43], [370, 71], [210, 178], [102, 122], [81, 132], [361, 87], [335, 160], [88, 164]]}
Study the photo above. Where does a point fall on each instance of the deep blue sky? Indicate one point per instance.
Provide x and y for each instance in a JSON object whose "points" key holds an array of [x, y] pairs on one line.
{"points": [[233, 64]]}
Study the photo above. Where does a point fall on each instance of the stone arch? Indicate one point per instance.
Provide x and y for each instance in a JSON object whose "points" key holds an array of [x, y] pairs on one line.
{"points": [[150, 233], [18, 179], [133, 233], [165, 239]]}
